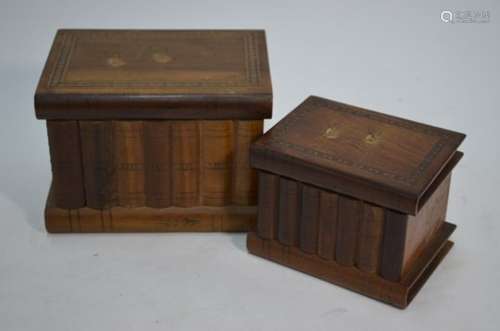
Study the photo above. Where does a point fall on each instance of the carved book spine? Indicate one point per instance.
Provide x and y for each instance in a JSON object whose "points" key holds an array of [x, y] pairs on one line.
{"points": [[267, 218], [216, 162], [65, 157], [395, 225], [348, 227], [157, 162], [289, 211], [244, 177], [328, 210], [185, 163], [308, 239], [129, 157], [370, 238], [98, 168]]}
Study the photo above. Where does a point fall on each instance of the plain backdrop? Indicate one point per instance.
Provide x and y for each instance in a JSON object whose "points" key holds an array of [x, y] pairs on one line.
{"points": [[394, 56]]}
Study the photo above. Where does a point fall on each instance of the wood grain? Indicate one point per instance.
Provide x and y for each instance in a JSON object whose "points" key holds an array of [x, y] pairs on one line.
{"points": [[398, 294], [66, 162], [371, 230], [165, 119], [328, 219], [374, 157], [216, 162], [158, 163], [290, 202], [146, 219], [373, 197], [308, 236], [349, 216], [99, 168], [393, 246], [244, 188], [267, 219], [128, 141], [422, 227], [156, 74], [185, 163]]}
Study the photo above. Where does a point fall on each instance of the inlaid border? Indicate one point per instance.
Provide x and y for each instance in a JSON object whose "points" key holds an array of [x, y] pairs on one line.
{"points": [[295, 118], [70, 40]]}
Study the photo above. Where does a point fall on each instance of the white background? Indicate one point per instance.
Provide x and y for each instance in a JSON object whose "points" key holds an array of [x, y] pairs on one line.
{"points": [[393, 57]]}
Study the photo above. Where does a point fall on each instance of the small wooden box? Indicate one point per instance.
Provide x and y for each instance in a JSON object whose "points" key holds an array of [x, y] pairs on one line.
{"points": [[150, 130], [355, 197]]}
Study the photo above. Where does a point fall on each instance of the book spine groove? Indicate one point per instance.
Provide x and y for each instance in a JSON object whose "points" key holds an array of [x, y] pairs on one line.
{"points": [[393, 245], [309, 219], [185, 163], [289, 211], [216, 162], [129, 158], [267, 218], [99, 172], [66, 162], [349, 214], [157, 163], [370, 238], [328, 210], [244, 191]]}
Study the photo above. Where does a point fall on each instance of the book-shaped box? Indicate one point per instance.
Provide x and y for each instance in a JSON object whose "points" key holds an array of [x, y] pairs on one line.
{"points": [[355, 197], [151, 130]]}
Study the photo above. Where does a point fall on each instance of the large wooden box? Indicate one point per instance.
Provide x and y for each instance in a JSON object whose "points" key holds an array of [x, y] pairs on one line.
{"points": [[150, 130], [355, 197]]}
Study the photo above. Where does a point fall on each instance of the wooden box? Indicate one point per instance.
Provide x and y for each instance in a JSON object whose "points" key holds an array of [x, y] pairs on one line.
{"points": [[150, 130], [355, 197]]}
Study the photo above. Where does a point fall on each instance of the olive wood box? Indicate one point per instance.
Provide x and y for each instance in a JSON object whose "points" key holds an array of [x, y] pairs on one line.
{"points": [[149, 130], [355, 197]]}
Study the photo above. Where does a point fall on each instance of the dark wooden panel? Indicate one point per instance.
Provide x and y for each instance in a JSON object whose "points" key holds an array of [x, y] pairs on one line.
{"points": [[289, 211], [309, 220], [328, 212], [157, 163], [393, 245], [98, 166], [185, 163], [349, 216], [371, 230], [244, 188], [422, 227], [128, 157], [267, 220], [66, 161], [216, 143]]}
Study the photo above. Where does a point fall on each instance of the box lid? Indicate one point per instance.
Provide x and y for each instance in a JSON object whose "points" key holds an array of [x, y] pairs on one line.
{"points": [[156, 74], [371, 156]]}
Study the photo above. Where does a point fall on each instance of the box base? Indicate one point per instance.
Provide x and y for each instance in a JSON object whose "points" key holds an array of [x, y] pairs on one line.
{"points": [[146, 219], [398, 294]]}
